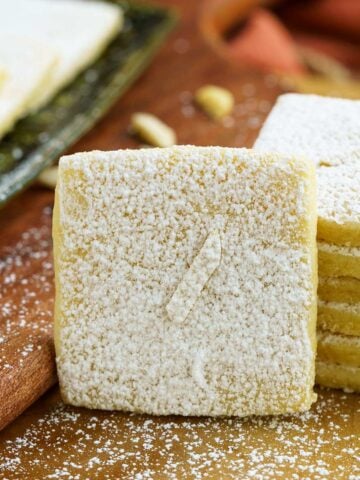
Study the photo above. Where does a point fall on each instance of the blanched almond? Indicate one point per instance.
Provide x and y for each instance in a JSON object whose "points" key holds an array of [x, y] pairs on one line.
{"points": [[152, 130], [217, 102]]}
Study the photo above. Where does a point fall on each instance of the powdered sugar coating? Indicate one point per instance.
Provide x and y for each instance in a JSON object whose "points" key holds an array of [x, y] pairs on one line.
{"points": [[127, 227], [326, 130], [339, 200], [195, 278]]}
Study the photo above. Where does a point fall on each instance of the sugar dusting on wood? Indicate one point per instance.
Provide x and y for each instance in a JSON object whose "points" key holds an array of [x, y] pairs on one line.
{"points": [[74, 443], [21, 309]]}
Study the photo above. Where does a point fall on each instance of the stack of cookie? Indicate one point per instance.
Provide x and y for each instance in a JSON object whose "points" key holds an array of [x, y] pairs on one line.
{"points": [[339, 274], [327, 130]]}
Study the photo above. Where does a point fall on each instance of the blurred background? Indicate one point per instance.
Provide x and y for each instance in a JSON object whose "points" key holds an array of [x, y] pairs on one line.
{"points": [[313, 45]]}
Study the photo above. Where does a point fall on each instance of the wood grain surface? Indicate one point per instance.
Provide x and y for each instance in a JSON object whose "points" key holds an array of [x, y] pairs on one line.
{"points": [[27, 369]]}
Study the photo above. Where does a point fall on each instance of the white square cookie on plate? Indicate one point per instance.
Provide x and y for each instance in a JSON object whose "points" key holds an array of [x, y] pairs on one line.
{"points": [[78, 31], [28, 65], [186, 281]]}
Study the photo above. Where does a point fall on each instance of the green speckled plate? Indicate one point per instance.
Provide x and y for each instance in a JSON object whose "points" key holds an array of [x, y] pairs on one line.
{"points": [[39, 139]]}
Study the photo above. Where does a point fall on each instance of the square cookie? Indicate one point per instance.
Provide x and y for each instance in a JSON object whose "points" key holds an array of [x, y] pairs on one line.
{"points": [[186, 281], [77, 31], [324, 129], [26, 67], [339, 202]]}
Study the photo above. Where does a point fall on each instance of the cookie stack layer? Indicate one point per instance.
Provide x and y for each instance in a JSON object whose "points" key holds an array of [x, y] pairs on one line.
{"points": [[339, 271], [327, 131]]}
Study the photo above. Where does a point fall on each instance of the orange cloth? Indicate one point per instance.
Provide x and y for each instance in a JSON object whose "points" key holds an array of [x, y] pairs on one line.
{"points": [[265, 43]]}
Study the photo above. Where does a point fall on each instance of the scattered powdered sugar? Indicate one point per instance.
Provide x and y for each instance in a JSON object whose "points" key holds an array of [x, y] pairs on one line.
{"points": [[79, 444], [26, 278], [251, 111], [338, 192]]}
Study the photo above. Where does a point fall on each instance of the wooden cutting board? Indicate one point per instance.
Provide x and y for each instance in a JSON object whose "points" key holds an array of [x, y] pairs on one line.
{"points": [[50, 439]]}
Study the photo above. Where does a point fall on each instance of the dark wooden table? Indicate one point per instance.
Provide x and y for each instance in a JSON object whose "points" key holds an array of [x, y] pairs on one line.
{"points": [[50, 439]]}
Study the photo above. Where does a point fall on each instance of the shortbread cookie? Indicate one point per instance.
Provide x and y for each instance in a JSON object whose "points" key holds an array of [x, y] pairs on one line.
{"points": [[336, 348], [29, 66], [341, 289], [324, 129], [339, 317], [186, 281], [334, 375], [338, 261], [339, 202], [78, 31]]}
